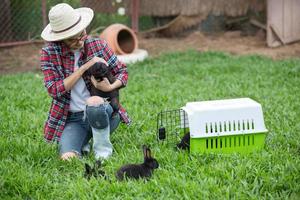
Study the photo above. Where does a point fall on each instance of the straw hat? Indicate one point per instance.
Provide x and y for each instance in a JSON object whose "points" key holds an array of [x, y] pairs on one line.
{"points": [[66, 22]]}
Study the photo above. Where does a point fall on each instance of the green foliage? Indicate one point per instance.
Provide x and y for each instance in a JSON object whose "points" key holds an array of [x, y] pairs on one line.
{"points": [[73, 3], [30, 168], [145, 23], [101, 21], [27, 19]]}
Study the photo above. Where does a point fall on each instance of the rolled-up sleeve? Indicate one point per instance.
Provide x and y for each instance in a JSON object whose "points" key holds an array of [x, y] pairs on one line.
{"points": [[118, 68], [52, 80]]}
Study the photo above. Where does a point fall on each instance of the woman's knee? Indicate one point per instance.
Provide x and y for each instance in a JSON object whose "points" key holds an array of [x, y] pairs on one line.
{"points": [[98, 116], [94, 101]]}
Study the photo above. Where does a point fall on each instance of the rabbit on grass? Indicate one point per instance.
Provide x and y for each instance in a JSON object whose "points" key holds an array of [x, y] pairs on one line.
{"points": [[136, 171], [184, 144]]}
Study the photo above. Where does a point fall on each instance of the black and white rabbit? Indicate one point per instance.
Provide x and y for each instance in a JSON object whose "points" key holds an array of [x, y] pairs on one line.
{"points": [[136, 171], [185, 142], [95, 171]]}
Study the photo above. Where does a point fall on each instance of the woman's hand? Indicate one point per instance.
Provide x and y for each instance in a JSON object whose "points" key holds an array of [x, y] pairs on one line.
{"points": [[70, 81], [104, 85], [91, 62]]}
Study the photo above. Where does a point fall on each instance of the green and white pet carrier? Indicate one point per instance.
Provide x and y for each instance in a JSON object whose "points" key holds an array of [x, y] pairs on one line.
{"points": [[222, 126]]}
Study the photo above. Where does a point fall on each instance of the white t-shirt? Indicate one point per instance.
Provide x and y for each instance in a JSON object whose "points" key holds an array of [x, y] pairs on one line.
{"points": [[79, 92]]}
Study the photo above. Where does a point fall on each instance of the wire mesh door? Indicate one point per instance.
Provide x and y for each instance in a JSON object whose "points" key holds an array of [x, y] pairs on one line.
{"points": [[171, 125]]}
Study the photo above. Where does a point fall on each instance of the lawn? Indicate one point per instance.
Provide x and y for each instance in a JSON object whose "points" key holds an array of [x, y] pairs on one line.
{"points": [[30, 168]]}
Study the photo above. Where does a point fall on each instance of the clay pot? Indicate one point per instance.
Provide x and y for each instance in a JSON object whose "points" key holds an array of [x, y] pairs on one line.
{"points": [[120, 38]]}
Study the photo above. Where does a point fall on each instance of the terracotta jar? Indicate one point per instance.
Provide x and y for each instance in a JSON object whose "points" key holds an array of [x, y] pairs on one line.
{"points": [[120, 38]]}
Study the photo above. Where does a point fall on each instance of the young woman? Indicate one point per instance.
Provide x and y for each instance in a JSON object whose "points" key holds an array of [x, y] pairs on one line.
{"points": [[74, 115]]}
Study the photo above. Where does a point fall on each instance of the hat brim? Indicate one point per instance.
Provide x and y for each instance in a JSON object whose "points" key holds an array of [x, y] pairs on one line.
{"points": [[86, 14]]}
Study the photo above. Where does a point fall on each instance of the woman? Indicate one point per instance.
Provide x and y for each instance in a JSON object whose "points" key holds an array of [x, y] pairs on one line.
{"points": [[74, 115]]}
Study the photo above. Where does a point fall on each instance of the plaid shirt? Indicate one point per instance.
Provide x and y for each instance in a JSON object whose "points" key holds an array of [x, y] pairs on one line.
{"points": [[57, 63]]}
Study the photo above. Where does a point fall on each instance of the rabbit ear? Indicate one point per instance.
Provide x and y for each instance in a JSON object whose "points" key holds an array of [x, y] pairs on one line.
{"points": [[148, 153], [145, 150], [98, 164], [88, 169]]}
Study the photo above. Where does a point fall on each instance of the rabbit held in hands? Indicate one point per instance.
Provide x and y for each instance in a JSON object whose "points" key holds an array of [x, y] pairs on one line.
{"points": [[100, 71], [137, 171]]}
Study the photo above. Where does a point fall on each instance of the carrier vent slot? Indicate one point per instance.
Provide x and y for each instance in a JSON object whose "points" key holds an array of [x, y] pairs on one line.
{"points": [[234, 126], [248, 140], [228, 126], [216, 127]]}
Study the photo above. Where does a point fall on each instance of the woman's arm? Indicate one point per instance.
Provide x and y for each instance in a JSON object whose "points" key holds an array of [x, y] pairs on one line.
{"points": [[70, 81], [105, 85], [56, 84], [52, 79]]}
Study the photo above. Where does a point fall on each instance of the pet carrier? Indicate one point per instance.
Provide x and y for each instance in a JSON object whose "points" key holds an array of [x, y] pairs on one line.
{"points": [[225, 126], [171, 125]]}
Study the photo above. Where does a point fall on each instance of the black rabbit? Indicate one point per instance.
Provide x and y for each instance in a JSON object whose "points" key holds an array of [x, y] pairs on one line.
{"points": [[99, 70], [137, 171], [96, 171], [185, 142]]}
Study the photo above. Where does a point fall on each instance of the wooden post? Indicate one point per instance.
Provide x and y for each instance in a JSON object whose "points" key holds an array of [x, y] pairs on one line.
{"points": [[135, 5], [44, 13]]}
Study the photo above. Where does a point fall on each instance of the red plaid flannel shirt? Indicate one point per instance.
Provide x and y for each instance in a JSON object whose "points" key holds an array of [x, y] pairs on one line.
{"points": [[57, 63]]}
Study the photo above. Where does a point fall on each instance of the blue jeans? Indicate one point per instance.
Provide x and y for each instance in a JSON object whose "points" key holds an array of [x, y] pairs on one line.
{"points": [[98, 123]]}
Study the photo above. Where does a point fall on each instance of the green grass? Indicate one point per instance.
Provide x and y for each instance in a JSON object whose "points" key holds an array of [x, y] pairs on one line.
{"points": [[30, 168]]}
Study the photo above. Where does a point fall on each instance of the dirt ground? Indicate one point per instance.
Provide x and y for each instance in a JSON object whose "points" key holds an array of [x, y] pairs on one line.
{"points": [[26, 57]]}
